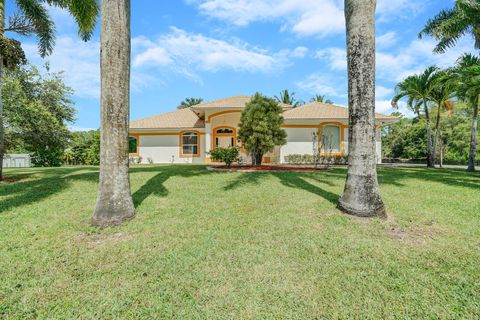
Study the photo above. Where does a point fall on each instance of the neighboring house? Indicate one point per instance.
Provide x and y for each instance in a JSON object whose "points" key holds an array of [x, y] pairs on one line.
{"points": [[187, 135], [17, 161]]}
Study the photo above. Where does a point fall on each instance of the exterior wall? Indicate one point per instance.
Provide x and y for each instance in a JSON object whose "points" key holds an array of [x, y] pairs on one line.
{"points": [[166, 149], [299, 141], [378, 145]]}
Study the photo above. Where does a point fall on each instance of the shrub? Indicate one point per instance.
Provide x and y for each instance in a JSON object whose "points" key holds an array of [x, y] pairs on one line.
{"points": [[227, 155]]}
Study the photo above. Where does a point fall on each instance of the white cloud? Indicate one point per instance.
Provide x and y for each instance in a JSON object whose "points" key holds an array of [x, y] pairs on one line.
{"points": [[386, 40], [80, 61], [186, 53], [385, 107], [324, 84], [302, 17], [299, 52], [382, 92], [336, 57]]}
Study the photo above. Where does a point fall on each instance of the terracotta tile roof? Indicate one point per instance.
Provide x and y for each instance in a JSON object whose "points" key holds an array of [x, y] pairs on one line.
{"points": [[183, 118], [231, 102], [317, 110]]}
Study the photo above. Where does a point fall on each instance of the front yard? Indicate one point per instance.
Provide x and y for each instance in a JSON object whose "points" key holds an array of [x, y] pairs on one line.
{"points": [[214, 245]]}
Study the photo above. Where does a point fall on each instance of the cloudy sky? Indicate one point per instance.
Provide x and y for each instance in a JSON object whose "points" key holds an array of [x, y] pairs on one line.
{"points": [[218, 48]]}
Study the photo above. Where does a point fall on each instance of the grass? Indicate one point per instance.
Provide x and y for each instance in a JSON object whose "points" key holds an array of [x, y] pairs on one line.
{"points": [[216, 245]]}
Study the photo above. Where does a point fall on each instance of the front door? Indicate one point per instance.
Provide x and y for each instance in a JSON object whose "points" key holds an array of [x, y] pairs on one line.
{"points": [[225, 142]]}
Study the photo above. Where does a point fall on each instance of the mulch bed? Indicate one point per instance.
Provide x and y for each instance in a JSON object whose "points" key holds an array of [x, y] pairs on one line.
{"points": [[266, 168]]}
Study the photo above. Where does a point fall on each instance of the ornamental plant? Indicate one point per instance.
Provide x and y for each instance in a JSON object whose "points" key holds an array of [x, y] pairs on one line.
{"points": [[227, 155]]}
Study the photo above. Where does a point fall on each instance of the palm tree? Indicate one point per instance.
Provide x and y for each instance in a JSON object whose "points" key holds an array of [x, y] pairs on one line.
{"points": [[114, 200], [288, 98], [321, 99], [450, 25], [188, 102], [468, 75], [418, 89], [361, 195], [444, 89], [33, 19]]}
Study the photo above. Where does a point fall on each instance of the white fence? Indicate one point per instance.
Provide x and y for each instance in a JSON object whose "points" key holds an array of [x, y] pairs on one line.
{"points": [[17, 161]]}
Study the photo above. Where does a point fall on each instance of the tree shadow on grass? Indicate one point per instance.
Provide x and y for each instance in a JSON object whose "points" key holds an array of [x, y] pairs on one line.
{"points": [[449, 177], [297, 180], [33, 188], [155, 185]]}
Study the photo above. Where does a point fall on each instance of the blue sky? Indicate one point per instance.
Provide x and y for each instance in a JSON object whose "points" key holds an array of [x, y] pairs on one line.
{"points": [[218, 48]]}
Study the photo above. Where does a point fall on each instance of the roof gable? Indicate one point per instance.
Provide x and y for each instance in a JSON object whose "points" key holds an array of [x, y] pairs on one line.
{"points": [[318, 110], [183, 118]]}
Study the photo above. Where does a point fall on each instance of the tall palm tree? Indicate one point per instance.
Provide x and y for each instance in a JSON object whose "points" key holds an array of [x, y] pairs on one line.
{"points": [[33, 19], [188, 102], [444, 89], [321, 98], [114, 200], [467, 72], [450, 25], [418, 89], [288, 98], [361, 195]]}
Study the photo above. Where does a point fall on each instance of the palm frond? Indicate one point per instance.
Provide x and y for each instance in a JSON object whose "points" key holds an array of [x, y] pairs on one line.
{"points": [[85, 13], [41, 22]]}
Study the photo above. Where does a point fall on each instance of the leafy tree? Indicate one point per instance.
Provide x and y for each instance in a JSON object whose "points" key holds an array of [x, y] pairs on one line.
{"points": [[467, 73], [260, 127], [418, 89], [114, 200], [84, 148], [189, 102], [405, 139], [450, 25], [37, 111], [361, 196], [321, 99], [33, 19], [288, 98]]}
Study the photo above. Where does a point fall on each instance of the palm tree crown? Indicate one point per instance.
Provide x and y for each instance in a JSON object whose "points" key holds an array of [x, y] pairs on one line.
{"points": [[450, 25], [34, 19], [188, 102], [321, 98], [288, 98]]}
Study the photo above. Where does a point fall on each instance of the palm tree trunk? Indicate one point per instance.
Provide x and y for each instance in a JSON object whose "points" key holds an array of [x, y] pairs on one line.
{"points": [[473, 139], [2, 128], [114, 201], [430, 162], [361, 196], [437, 133]]}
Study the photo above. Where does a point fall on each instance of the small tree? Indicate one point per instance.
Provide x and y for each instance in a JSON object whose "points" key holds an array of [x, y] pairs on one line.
{"points": [[260, 127], [227, 155]]}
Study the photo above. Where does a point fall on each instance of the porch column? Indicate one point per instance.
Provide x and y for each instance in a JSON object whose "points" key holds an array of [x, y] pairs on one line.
{"points": [[208, 139]]}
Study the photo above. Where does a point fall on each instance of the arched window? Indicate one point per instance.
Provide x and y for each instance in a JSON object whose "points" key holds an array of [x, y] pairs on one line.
{"points": [[224, 131], [331, 138], [132, 144], [190, 144]]}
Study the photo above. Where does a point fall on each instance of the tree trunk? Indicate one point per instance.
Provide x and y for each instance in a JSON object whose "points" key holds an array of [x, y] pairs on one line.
{"points": [[430, 161], [2, 128], [257, 158], [361, 196], [437, 133], [114, 201], [473, 139]]}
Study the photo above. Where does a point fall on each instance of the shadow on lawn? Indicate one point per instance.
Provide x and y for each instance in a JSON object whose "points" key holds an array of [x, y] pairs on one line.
{"points": [[297, 180], [449, 177], [38, 184]]}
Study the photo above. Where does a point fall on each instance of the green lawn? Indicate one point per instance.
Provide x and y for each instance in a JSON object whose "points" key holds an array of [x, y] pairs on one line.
{"points": [[216, 245]]}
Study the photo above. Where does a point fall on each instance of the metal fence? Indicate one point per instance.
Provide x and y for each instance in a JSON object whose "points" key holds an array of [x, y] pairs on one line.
{"points": [[17, 161]]}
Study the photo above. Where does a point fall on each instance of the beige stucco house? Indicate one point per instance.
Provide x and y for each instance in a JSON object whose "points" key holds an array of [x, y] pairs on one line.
{"points": [[187, 135]]}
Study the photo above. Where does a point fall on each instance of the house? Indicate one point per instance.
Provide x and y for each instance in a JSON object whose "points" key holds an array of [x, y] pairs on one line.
{"points": [[187, 135]]}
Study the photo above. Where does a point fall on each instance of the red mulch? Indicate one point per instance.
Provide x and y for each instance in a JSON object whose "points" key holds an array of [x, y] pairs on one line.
{"points": [[266, 168]]}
